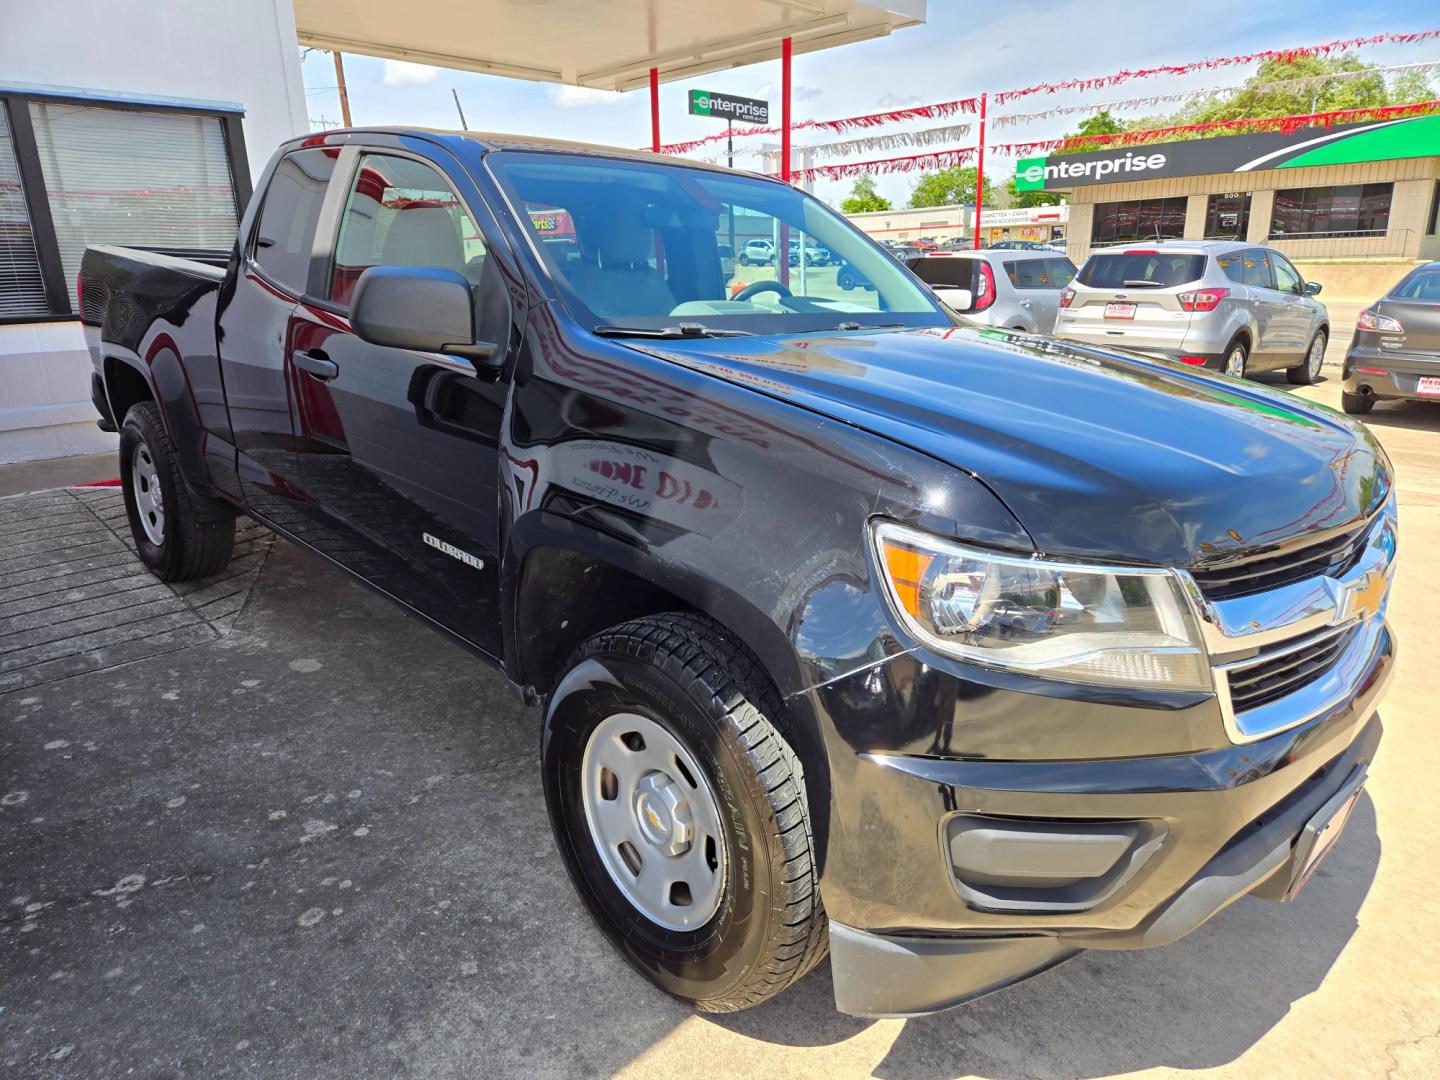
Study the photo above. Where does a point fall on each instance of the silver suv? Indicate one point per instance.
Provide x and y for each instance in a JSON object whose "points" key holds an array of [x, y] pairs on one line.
{"points": [[999, 287], [1235, 307]]}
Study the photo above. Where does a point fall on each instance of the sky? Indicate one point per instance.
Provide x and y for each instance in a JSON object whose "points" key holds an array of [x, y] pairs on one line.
{"points": [[957, 53]]}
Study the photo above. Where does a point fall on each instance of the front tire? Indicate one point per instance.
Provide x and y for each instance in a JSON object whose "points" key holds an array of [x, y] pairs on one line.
{"points": [[680, 810], [178, 535], [1308, 370]]}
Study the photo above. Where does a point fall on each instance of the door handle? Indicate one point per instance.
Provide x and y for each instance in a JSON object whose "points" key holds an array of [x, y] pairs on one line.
{"points": [[316, 363]]}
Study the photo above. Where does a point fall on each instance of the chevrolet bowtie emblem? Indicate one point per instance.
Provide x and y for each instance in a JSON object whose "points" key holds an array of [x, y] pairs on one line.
{"points": [[1367, 595]]}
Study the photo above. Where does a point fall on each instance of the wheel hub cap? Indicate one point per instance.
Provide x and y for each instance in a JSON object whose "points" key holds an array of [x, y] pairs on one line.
{"points": [[149, 501], [655, 821]]}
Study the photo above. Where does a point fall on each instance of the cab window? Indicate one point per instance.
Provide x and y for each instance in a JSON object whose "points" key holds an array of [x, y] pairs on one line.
{"points": [[285, 235], [402, 212], [1287, 278]]}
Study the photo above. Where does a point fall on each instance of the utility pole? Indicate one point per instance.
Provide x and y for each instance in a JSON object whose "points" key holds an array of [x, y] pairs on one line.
{"points": [[344, 93], [455, 94]]}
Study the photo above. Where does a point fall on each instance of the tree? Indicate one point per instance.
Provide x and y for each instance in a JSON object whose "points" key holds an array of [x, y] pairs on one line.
{"points": [[1024, 200], [948, 187], [1102, 123], [1335, 86], [863, 197]]}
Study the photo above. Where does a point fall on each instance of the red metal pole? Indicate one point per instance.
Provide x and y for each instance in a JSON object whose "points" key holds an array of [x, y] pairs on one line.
{"points": [[785, 110], [980, 174], [782, 254], [655, 110]]}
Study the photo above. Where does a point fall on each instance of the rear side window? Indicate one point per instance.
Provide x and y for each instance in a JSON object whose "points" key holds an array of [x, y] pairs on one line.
{"points": [[1156, 269], [1422, 284], [1251, 267], [1040, 273], [287, 220]]}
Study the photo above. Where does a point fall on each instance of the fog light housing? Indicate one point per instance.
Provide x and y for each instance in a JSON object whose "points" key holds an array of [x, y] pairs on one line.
{"points": [[1038, 865]]}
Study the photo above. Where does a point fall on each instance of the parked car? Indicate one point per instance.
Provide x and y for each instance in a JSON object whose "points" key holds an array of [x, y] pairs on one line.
{"points": [[958, 243], [753, 557], [1015, 289], [757, 253], [850, 279], [1017, 245], [1234, 307], [814, 256], [727, 260], [1395, 353]]}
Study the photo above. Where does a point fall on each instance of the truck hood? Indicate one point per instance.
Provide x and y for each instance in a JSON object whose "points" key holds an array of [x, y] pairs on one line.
{"points": [[1098, 454]]}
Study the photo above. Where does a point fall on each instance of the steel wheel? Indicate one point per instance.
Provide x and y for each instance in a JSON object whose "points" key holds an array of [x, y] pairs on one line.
{"points": [[1235, 361], [149, 501], [654, 821]]}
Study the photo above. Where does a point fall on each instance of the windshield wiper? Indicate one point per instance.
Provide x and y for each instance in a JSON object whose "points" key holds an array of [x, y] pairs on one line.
{"points": [[1146, 284], [683, 330], [851, 324]]}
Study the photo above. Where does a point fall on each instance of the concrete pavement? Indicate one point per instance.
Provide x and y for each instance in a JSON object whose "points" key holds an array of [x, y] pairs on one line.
{"points": [[309, 842]]}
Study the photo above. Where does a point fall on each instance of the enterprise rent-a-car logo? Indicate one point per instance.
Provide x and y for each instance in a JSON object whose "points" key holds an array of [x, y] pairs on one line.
{"points": [[1034, 174]]}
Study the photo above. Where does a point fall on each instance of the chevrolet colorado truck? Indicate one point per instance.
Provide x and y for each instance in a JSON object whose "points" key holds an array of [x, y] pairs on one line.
{"points": [[953, 651]]}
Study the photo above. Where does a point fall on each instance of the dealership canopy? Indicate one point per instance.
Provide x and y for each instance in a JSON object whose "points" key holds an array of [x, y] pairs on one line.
{"points": [[610, 45]]}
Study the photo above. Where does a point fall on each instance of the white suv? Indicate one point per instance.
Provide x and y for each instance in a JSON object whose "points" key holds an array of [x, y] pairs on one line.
{"points": [[757, 253], [1228, 305]]}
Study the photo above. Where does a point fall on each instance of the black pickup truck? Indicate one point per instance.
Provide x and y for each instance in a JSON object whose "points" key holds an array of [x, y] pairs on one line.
{"points": [[956, 651]]}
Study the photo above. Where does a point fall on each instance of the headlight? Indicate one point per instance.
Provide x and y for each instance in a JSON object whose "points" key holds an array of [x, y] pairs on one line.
{"points": [[1111, 626]]}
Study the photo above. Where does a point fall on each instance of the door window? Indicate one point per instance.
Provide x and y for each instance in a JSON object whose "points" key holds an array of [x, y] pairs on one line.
{"points": [[402, 212], [1250, 267], [1287, 279], [286, 235]]}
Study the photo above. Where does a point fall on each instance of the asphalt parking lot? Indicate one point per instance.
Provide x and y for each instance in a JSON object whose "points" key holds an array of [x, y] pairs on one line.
{"points": [[271, 827]]}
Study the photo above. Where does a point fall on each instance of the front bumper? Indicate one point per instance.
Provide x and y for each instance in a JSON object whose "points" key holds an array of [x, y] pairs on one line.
{"points": [[908, 937]]}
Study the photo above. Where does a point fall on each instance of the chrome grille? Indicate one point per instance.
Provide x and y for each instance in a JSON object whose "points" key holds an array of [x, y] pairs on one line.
{"points": [[1328, 558], [1285, 668]]}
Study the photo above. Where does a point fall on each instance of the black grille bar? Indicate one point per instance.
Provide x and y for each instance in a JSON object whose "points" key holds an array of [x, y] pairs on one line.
{"points": [[1333, 557], [1287, 671]]}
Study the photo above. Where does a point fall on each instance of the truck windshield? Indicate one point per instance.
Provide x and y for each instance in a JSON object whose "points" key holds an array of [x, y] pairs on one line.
{"points": [[647, 245]]}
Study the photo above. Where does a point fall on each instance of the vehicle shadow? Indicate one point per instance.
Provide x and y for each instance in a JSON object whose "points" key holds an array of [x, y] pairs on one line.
{"points": [[1196, 1004], [1409, 415]]}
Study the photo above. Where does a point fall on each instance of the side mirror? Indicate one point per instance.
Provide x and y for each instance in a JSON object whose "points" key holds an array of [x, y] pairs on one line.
{"points": [[1312, 288], [420, 308]]}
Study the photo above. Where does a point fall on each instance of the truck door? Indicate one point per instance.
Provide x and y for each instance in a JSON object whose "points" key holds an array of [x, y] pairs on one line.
{"points": [[401, 448], [256, 323]]}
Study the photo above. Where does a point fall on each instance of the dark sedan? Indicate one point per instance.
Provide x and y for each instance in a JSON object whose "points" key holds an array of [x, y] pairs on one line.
{"points": [[1395, 354]]}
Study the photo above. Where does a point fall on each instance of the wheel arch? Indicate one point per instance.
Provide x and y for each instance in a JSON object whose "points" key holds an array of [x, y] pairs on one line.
{"points": [[562, 581]]}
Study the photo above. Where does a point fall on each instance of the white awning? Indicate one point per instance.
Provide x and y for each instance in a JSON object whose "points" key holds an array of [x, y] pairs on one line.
{"points": [[607, 44]]}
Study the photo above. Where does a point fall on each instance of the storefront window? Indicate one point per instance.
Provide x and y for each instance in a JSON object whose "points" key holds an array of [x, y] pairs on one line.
{"points": [[1344, 210], [1142, 219], [1227, 216], [22, 291]]}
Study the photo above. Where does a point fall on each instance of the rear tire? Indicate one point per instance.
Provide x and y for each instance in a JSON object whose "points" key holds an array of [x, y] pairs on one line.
{"points": [[1308, 370], [180, 536], [1235, 360], [748, 921], [1357, 404]]}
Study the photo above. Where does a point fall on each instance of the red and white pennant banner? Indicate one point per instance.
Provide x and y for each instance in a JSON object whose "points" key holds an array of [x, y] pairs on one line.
{"points": [[871, 143], [1284, 55], [1196, 96], [1286, 124], [941, 159], [848, 123]]}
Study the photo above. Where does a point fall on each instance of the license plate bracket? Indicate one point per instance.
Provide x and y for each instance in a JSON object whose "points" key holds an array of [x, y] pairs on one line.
{"points": [[1119, 311], [1317, 839]]}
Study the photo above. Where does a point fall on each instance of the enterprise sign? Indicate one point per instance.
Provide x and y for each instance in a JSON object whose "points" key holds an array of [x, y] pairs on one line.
{"points": [[1343, 144], [748, 110]]}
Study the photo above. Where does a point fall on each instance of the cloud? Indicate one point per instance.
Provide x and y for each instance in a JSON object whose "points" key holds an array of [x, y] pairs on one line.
{"points": [[806, 93], [404, 73], [578, 97], [899, 101]]}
